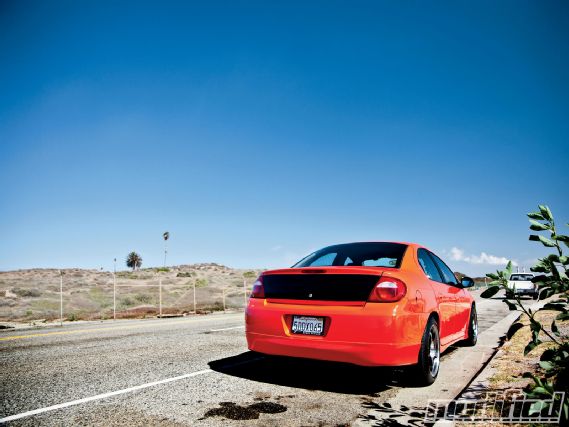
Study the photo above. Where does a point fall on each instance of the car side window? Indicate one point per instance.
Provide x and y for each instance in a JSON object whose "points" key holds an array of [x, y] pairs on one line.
{"points": [[448, 275], [428, 266]]}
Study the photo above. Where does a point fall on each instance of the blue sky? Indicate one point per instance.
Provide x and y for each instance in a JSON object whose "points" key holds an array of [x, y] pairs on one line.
{"points": [[257, 132]]}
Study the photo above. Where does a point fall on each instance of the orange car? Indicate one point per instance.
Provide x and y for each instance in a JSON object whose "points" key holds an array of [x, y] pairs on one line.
{"points": [[370, 304]]}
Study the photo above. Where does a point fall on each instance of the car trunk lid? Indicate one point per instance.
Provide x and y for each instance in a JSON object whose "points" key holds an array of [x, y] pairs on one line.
{"points": [[321, 285]]}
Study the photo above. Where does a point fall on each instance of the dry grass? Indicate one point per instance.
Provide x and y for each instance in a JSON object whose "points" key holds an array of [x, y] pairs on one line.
{"points": [[509, 364], [27, 295]]}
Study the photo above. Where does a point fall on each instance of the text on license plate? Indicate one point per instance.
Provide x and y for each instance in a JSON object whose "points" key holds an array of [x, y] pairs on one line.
{"points": [[307, 325]]}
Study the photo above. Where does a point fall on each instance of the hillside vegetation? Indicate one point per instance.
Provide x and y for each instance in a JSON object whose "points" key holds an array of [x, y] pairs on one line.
{"points": [[32, 295]]}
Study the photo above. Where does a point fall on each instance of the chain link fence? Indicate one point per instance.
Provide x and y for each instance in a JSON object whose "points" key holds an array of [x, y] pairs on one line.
{"points": [[42, 295]]}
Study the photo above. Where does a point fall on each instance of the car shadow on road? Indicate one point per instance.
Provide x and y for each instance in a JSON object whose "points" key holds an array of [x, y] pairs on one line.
{"points": [[311, 374]]}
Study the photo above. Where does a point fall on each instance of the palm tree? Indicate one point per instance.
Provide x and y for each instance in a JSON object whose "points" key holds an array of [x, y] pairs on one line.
{"points": [[166, 236], [133, 260]]}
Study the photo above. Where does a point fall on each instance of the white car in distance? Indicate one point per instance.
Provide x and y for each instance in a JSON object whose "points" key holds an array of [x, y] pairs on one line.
{"points": [[521, 284]]}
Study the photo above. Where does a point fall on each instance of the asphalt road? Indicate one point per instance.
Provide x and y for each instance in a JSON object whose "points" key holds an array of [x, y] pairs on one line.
{"points": [[187, 371]]}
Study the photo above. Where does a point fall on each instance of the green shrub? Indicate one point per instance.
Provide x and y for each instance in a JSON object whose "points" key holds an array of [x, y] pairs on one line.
{"points": [[103, 299], [552, 281], [127, 302], [185, 274], [34, 293], [201, 283], [143, 298]]}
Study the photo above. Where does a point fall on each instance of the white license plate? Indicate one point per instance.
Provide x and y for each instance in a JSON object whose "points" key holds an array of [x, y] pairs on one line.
{"points": [[307, 325]]}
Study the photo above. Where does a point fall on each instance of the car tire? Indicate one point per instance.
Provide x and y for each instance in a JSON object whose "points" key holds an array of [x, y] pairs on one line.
{"points": [[425, 372], [472, 328], [536, 296]]}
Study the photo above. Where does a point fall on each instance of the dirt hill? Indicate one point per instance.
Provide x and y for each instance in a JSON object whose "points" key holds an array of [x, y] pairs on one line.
{"points": [[27, 295]]}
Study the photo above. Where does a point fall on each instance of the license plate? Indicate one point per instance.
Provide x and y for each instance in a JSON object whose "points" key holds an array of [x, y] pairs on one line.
{"points": [[307, 325]]}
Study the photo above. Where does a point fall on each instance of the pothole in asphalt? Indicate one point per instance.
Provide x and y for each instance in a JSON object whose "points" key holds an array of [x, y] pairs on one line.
{"points": [[233, 411]]}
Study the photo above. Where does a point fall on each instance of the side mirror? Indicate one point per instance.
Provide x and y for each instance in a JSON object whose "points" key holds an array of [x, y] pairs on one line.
{"points": [[467, 282]]}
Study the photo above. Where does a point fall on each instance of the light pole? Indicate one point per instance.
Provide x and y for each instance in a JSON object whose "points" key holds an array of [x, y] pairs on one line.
{"points": [[115, 290], [60, 298], [223, 290], [166, 236]]}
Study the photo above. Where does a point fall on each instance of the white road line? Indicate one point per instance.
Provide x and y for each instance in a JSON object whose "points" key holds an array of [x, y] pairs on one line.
{"points": [[227, 329], [101, 396]]}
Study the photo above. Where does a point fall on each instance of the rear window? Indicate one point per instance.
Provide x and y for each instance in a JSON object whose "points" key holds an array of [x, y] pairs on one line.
{"points": [[368, 254], [521, 277]]}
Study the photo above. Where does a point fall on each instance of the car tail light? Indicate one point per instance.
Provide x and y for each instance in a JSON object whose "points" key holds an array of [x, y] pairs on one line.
{"points": [[388, 289], [258, 289]]}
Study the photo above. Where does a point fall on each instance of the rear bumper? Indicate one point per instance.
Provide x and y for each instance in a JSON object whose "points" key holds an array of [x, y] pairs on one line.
{"points": [[364, 354], [524, 291], [380, 334]]}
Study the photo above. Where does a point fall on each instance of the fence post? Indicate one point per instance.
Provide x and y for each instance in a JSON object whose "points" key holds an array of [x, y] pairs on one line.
{"points": [[195, 309], [60, 298], [115, 290], [114, 297], [160, 294], [223, 290]]}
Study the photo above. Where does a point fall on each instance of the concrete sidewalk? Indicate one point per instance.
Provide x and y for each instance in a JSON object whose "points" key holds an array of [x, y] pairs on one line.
{"points": [[459, 367]]}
